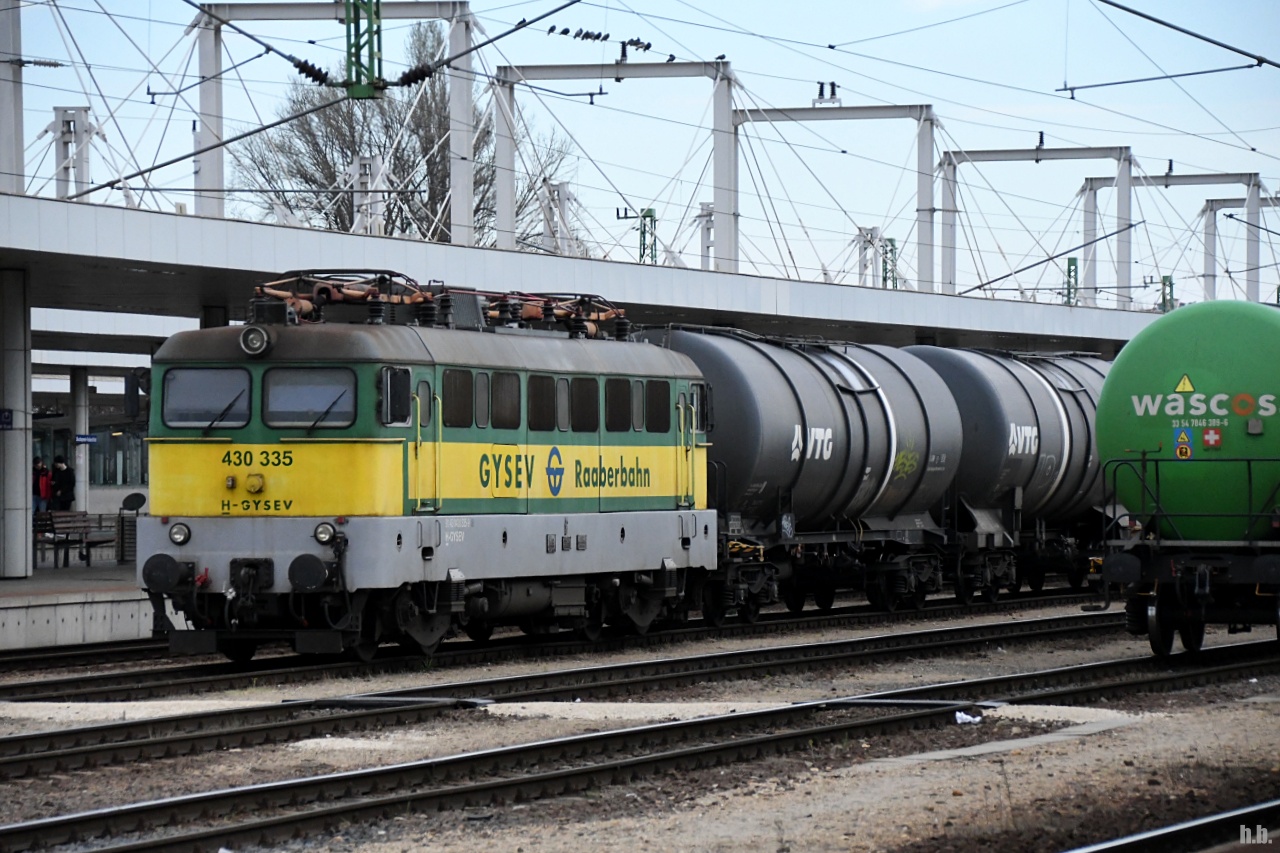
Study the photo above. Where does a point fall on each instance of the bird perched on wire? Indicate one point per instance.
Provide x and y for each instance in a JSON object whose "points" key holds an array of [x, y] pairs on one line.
{"points": [[671, 57], [565, 31], [552, 31]]}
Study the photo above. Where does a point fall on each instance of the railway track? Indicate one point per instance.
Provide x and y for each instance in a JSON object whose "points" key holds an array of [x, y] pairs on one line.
{"points": [[161, 682], [96, 746], [272, 813], [1200, 834], [85, 654]]}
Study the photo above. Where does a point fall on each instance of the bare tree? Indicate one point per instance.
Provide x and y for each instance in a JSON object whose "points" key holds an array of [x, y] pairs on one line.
{"points": [[301, 169]]}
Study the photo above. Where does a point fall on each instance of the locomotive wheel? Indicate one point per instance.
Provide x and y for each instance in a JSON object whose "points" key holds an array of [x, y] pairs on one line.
{"points": [[478, 630], [793, 596], [824, 597], [1192, 636], [713, 610], [239, 651], [1160, 625], [417, 629], [363, 650], [593, 628]]}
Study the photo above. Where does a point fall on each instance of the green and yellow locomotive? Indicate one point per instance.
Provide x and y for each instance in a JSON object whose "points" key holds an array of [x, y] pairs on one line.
{"points": [[333, 485]]}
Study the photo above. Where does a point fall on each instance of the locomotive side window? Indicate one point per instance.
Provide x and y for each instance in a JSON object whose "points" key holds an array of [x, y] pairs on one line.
{"points": [[506, 401], [584, 403], [206, 397], [657, 405], [562, 405], [637, 405], [397, 396], [617, 405], [310, 397], [424, 398], [542, 404], [702, 400], [482, 399], [456, 401]]}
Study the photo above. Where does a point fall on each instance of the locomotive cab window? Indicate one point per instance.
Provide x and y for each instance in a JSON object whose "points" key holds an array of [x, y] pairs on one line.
{"points": [[657, 405], [702, 407], [617, 405], [456, 401], [311, 397], [208, 398], [396, 396], [542, 404]]}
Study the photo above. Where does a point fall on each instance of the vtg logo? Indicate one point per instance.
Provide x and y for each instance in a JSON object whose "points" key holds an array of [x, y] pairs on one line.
{"points": [[555, 472]]}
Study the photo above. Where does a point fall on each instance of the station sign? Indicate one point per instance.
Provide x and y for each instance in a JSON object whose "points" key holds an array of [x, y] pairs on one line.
{"points": [[6, 418], [86, 439]]}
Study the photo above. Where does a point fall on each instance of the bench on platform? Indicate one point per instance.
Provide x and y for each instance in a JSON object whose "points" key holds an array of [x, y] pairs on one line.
{"points": [[64, 528]]}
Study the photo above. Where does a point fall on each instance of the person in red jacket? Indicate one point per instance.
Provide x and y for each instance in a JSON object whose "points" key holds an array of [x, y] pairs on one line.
{"points": [[41, 486]]}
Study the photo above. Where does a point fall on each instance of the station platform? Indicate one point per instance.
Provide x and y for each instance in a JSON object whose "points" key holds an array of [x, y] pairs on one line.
{"points": [[69, 606]]}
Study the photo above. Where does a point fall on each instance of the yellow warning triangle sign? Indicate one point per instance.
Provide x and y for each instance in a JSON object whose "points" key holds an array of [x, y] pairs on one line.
{"points": [[1184, 385]]}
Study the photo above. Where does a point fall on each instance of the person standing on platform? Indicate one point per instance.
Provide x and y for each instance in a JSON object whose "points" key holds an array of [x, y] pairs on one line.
{"points": [[64, 484], [41, 486]]}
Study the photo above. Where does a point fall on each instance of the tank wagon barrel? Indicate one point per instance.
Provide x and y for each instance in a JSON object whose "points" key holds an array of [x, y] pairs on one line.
{"points": [[1190, 440]]}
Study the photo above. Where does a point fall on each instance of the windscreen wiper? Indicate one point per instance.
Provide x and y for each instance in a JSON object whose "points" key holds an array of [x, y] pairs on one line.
{"points": [[225, 410], [327, 410]]}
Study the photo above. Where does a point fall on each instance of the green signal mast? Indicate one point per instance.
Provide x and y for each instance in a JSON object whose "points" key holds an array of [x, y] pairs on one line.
{"points": [[364, 49]]}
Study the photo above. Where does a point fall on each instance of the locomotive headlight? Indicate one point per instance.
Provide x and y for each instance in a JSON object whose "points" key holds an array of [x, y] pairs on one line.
{"points": [[179, 534], [255, 341], [325, 532]]}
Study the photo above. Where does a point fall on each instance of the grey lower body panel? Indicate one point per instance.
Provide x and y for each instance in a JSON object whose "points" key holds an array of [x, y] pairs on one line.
{"points": [[385, 552]]}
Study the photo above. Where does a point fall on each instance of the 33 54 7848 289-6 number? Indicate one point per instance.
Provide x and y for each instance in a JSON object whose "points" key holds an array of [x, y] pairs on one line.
{"points": [[265, 458]]}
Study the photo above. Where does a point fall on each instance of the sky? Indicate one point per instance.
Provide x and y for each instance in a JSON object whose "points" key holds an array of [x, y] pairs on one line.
{"points": [[991, 69]]}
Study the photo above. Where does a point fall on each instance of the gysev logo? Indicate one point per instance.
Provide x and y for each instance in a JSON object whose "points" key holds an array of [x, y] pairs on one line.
{"points": [[555, 472], [1185, 400]]}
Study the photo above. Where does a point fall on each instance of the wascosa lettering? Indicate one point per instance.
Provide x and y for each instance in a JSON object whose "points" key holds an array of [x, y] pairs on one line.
{"points": [[1244, 405]]}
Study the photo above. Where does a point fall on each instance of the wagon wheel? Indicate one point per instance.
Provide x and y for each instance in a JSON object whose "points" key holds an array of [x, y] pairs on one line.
{"points": [[825, 596], [991, 594], [1035, 579], [964, 589], [238, 651], [887, 598], [793, 595], [750, 610], [918, 597], [1160, 625], [1192, 635], [713, 609]]}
